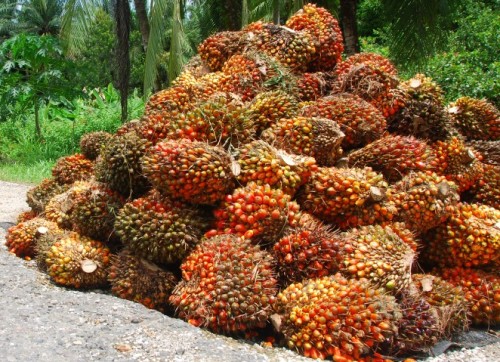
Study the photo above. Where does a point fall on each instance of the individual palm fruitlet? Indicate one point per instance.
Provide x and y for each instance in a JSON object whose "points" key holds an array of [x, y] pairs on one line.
{"points": [[228, 286]]}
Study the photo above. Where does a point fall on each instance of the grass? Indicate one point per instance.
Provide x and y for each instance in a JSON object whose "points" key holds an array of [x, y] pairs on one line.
{"points": [[26, 173]]}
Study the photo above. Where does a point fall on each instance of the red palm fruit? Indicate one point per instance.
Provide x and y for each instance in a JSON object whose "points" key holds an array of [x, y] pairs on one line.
{"points": [[470, 238], [263, 164], [69, 169], [171, 101], [423, 114], [220, 120], [256, 212], [291, 47], [395, 156], [309, 250], [376, 60], [154, 127], [487, 191], [344, 196], [424, 200], [476, 119], [447, 300], [74, 261], [458, 163], [489, 151], [267, 108], [312, 86], [378, 254], [482, 291], [26, 216], [361, 122], [21, 238], [90, 143], [326, 32], [158, 229], [216, 49], [405, 234], [136, 279], [334, 316], [38, 196], [245, 76], [319, 138], [228, 286], [191, 171]]}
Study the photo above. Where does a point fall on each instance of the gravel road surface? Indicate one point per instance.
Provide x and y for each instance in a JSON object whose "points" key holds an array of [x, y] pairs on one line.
{"points": [[42, 322]]}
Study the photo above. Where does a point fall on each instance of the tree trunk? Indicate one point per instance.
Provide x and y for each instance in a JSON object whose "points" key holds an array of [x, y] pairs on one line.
{"points": [[38, 128], [276, 12], [232, 10], [244, 13], [142, 17], [348, 10], [122, 53]]}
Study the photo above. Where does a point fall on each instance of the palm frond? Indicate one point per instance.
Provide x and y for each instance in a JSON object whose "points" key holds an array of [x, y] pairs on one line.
{"points": [[77, 19], [176, 59]]}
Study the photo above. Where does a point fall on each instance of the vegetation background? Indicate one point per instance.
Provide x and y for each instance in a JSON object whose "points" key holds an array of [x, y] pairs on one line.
{"points": [[69, 67]]}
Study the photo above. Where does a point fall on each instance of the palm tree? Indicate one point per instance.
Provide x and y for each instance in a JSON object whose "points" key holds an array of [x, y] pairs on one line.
{"points": [[41, 16], [8, 13]]}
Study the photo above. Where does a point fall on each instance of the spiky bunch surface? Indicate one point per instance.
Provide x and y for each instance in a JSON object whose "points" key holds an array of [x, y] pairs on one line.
{"points": [[489, 150], [344, 196], [312, 86], [38, 196], [376, 60], [74, 261], [228, 285], [395, 156], [264, 164], [321, 314], [256, 212], [267, 108], [119, 164], [470, 237], [90, 143], [379, 255], [191, 171], [487, 190], [136, 279], [424, 200], [325, 31], [361, 122], [310, 250], [477, 119], [448, 300], [69, 169], [482, 291], [159, 230], [319, 138], [21, 238], [171, 101]]}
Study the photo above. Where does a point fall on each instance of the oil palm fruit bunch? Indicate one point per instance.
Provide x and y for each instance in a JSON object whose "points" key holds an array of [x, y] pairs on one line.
{"points": [[171, 101], [160, 230], [395, 156], [423, 114], [312, 86], [93, 209], [476, 119], [73, 260], [136, 279], [266, 165], [325, 31], [69, 169], [424, 200], [154, 127], [191, 171], [318, 315], [343, 196], [487, 191], [267, 108], [309, 250], [378, 254], [21, 238], [256, 212], [361, 122], [119, 164], [90, 143], [218, 48], [447, 300], [470, 238], [26, 215], [488, 150], [458, 163], [316, 137], [228, 286], [218, 121], [376, 60], [38, 196], [482, 291]]}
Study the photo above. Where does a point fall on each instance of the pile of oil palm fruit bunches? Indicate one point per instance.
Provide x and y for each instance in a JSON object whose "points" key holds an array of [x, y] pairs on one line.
{"points": [[282, 193]]}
